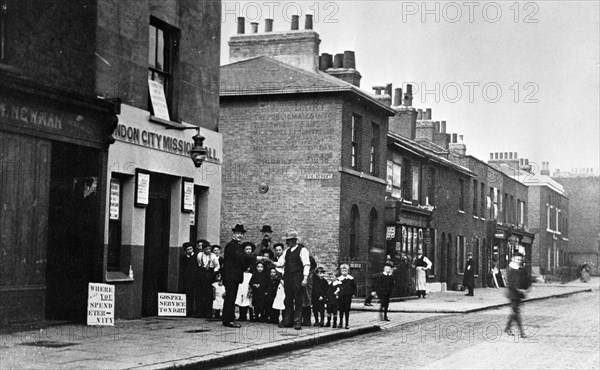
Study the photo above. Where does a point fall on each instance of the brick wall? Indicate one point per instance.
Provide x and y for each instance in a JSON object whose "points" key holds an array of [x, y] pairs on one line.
{"points": [[584, 212]]}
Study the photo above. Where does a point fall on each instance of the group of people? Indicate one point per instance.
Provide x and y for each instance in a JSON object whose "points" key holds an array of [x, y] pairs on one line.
{"points": [[279, 284]]}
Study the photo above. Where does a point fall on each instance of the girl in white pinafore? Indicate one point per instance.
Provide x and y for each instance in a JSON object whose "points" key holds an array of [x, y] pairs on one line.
{"points": [[244, 297], [219, 291]]}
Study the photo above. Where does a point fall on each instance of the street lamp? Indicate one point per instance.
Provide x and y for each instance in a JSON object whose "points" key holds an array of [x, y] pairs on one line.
{"points": [[198, 152]]}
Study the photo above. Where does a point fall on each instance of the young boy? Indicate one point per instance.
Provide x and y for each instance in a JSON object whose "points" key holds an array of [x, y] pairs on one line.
{"points": [[347, 290], [258, 286], [384, 287], [333, 290], [319, 296], [271, 292]]}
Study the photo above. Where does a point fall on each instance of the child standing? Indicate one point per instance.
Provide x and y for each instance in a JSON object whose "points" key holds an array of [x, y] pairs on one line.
{"points": [[333, 289], [271, 292], [347, 290], [258, 286], [384, 287], [319, 296], [219, 293], [244, 295]]}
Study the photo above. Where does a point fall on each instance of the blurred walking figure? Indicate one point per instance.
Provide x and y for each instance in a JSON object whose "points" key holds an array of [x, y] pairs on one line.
{"points": [[422, 264], [518, 280]]}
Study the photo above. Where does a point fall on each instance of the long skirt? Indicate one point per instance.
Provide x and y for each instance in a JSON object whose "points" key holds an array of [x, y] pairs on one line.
{"points": [[279, 298]]}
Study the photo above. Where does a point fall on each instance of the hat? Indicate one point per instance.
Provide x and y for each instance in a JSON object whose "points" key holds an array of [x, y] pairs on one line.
{"points": [[238, 229], [203, 243], [244, 244], [420, 251], [266, 229], [292, 234], [469, 254], [187, 244]]}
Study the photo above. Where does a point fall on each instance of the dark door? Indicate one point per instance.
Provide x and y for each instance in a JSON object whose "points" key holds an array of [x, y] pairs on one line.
{"points": [[73, 230], [156, 244]]}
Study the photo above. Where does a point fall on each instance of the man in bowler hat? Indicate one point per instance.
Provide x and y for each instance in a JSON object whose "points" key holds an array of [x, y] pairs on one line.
{"points": [[296, 263], [235, 263], [265, 243]]}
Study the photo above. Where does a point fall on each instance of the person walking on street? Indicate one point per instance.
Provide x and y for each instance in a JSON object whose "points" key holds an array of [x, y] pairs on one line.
{"points": [[517, 280], [469, 275], [384, 287], [235, 263], [296, 263], [422, 264]]}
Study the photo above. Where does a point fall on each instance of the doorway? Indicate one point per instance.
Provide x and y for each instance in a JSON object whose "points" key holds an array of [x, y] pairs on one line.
{"points": [[73, 230], [156, 243]]}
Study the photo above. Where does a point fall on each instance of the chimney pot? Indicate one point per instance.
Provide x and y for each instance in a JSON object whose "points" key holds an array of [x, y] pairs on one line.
{"points": [[254, 27], [409, 89], [526, 162], [443, 127], [268, 25], [240, 26], [326, 61], [308, 22], [427, 114], [398, 96], [454, 138], [419, 114], [436, 126], [408, 96], [294, 22], [510, 155], [515, 155], [349, 61], [338, 61], [491, 155]]}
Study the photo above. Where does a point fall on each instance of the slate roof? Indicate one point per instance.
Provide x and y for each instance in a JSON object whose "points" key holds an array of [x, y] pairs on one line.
{"points": [[266, 76]]}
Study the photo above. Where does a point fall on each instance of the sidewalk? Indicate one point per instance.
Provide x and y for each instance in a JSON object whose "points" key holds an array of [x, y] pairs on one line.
{"points": [[457, 302], [159, 343]]}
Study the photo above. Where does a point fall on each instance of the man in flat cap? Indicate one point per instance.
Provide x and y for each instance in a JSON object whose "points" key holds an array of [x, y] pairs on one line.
{"points": [[296, 263]]}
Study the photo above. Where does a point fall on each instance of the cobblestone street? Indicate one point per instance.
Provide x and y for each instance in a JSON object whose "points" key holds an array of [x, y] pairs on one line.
{"points": [[562, 333]]}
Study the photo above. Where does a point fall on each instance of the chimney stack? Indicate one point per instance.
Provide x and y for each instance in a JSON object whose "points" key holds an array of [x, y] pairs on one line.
{"points": [[457, 146], [308, 22], [344, 68], [240, 26], [268, 25], [294, 23]]}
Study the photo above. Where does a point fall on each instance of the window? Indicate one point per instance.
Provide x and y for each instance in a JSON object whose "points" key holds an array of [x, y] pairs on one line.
{"points": [[431, 250], [394, 177], [374, 155], [416, 174], [354, 224], [114, 224], [372, 229], [475, 198], [505, 209], [161, 53], [520, 212], [548, 210], [460, 254], [356, 123], [461, 199], [557, 216], [490, 203], [482, 213], [476, 252], [430, 198], [495, 197], [3, 8]]}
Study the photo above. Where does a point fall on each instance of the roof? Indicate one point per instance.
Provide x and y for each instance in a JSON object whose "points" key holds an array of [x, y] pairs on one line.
{"points": [[533, 179], [421, 150], [264, 75]]}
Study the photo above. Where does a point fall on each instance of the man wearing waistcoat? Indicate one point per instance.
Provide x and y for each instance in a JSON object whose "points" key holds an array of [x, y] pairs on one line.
{"points": [[296, 263]]}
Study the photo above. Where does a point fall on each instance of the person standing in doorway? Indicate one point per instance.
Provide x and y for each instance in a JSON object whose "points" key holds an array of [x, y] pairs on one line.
{"points": [[422, 264], [189, 277], [469, 275], [296, 263], [208, 264]]}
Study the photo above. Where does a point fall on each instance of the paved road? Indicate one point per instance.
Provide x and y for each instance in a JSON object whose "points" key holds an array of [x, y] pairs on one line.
{"points": [[563, 333]]}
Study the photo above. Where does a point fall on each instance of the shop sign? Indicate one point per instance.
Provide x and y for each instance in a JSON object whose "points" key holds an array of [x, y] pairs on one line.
{"points": [[354, 265], [115, 191], [499, 235], [390, 232], [142, 187], [318, 176], [159, 100], [101, 304], [171, 304], [187, 196]]}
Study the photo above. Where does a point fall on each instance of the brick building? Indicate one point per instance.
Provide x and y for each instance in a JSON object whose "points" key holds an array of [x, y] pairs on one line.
{"points": [[132, 233], [547, 210], [303, 150], [582, 187]]}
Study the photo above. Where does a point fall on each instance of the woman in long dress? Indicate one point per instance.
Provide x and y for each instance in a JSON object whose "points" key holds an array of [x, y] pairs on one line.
{"points": [[422, 264]]}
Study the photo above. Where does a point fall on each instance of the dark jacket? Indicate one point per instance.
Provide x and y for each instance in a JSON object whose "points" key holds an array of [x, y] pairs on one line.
{"points": [[272, 286], [331, 296], [236, 262], [513, 280], [384, 285], [262, 280], [319, 289], [189, 272], [469, 276], [348, 287]]}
